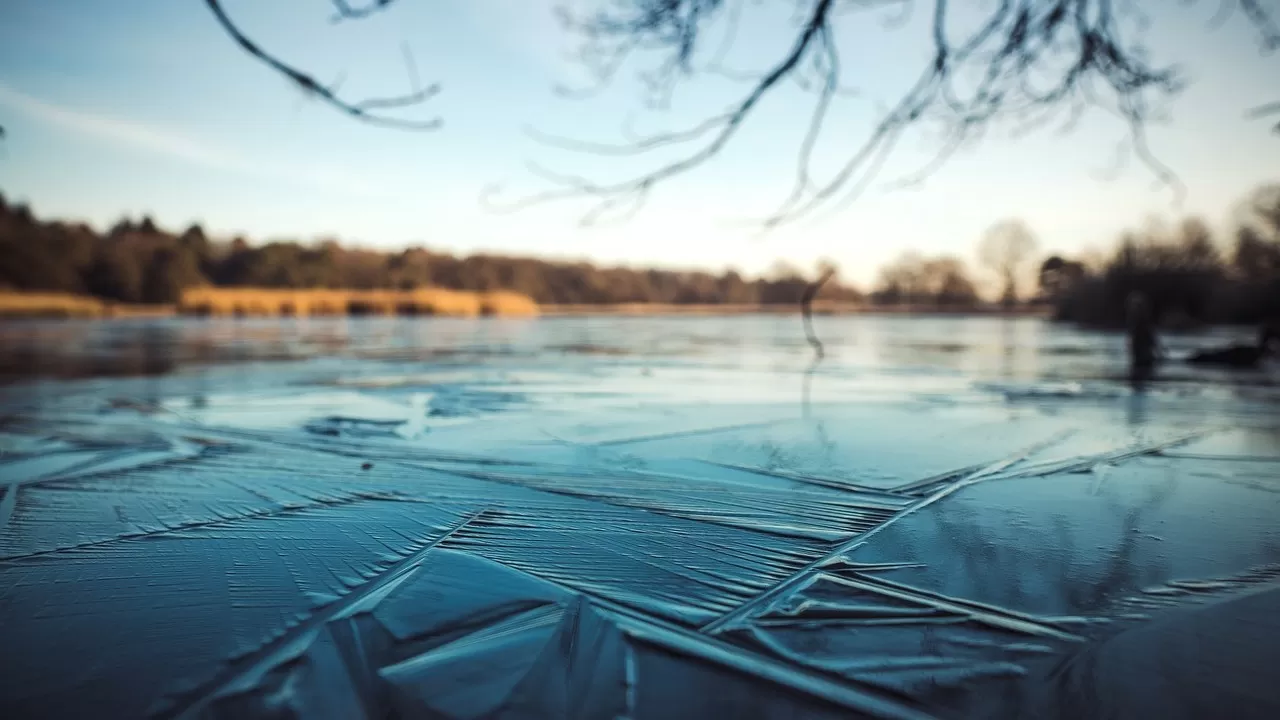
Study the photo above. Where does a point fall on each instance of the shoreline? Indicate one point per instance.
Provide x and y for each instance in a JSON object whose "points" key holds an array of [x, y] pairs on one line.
{"points": [[819, 308], [133, 312], [255, 302]]}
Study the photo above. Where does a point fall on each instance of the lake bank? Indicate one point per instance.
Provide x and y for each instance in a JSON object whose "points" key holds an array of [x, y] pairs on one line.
{"points": [[270, 302], [819, 308]]}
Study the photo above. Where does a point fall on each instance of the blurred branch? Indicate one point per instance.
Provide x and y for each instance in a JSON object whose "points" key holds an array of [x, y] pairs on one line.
{"points": [[347, 12], [1263, 111], [806, 311], [1025, 62], [367, 110], [806, 315], [1262, 20]]}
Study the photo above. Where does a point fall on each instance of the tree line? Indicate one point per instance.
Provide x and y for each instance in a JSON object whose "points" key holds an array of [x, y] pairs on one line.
{"points": [[138, 262], [1188, 275]]}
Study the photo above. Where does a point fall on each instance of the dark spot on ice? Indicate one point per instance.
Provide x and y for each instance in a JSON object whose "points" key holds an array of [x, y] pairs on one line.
{"points": [[366, 466]]}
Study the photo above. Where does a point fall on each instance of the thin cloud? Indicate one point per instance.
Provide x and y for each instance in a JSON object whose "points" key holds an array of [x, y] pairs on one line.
{"points": [[174, 145]]}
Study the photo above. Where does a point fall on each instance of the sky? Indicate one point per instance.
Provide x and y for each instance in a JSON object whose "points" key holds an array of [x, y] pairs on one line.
{"points": [[147, 107]]}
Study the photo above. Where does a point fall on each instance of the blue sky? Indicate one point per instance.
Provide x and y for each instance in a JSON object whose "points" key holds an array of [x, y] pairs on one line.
{"points": [[146, 107]]}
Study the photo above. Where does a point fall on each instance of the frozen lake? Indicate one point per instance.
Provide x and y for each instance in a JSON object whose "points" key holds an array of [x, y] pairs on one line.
{"points": [[628, 517]]}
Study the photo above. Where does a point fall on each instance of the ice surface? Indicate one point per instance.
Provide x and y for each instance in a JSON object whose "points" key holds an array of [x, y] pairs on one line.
{"points": [[641, 518]]}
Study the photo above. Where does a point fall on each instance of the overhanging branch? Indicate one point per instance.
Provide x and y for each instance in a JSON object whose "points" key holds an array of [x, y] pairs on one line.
{"points": [[367, 110]]}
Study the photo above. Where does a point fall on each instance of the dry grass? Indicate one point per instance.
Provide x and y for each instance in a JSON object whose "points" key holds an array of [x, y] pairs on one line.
{"points": [[274, 303], [424, 301], [509, 304], [49, 305], [36, 304]]}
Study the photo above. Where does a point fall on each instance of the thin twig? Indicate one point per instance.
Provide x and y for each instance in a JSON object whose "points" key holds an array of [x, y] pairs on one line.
{"points": [[806, 311], [361, 110], [996, 72], [819, 352]]}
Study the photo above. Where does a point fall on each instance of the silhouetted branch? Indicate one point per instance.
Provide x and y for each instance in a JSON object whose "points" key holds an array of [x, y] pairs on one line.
{"points": [[806, 311], [1263, 111], [363, 110], [1026, 61], [1023, 62], [667, 22], [1262, 20], [347, 12], [819, 352]]}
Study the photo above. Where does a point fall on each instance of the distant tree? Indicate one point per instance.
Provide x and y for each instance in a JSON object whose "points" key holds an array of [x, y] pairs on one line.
{"points": [[783, 284], [116, 275], [194, 240], [123, 226], [21, 215], [528, 277], [410, 269], [194, 236], [1005, 248], [736, 291], [948, 284], [916, 280], [171, 271], [900, 281], [27, 265], [1256, 254], [835, 289], [1195, 248], [1261, 211], [130, 264], [1254, 257], [1058, 276], [363, 269], [480, 273]]}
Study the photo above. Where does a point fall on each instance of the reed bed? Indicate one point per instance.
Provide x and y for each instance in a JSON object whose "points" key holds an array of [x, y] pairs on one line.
{"points": [[265, 302], [50, 305]]}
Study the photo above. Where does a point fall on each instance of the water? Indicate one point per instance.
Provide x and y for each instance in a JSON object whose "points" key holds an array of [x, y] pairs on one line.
{"points": [[603, 517]]}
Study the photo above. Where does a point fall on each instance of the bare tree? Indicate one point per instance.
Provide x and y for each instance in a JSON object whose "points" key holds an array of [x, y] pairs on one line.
{"points": [[1058, 276], [913, 279], [1005, 248], [1027, 62]]}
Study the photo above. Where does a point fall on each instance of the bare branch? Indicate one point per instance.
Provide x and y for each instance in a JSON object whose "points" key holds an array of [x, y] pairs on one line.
{"points": [[1263, 22], [1263, 111], [347, 12], [726, 125], [363, 110], [1022, 66], [806, 311], [970, 84], [638, 146], [806, 318]]}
